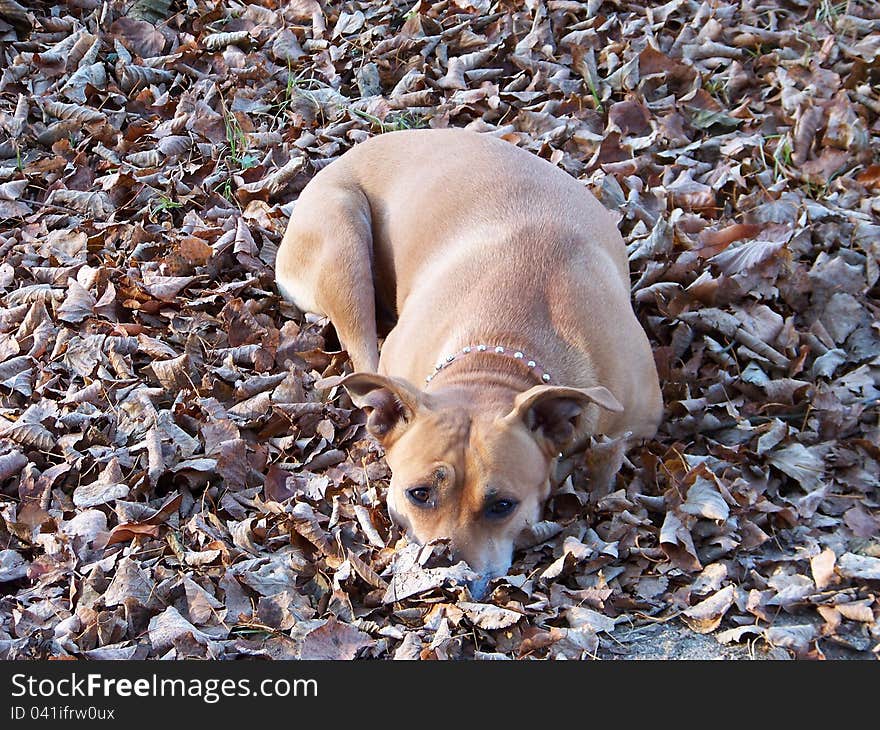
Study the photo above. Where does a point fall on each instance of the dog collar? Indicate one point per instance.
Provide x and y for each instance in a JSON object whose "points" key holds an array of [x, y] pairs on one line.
{"points": [[444, 362]]}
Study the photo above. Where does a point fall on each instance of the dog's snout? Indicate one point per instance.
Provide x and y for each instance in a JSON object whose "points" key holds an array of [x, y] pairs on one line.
{"points": [[478, 587], [486, 572]]}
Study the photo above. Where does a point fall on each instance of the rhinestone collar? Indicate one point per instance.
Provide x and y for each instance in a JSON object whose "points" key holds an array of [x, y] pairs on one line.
{"points": [[444, 362]]}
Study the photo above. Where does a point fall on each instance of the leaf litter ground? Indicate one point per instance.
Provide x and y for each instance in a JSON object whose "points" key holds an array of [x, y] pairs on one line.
{"points": [[173, 485]]}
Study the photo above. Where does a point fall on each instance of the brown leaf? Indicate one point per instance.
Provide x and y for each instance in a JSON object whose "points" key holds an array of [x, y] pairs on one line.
{"points": [[139, 36], [73, 113], [29, 434], [745, 257], [630, 118], [11, 464], [129, 530], [201, 606], [714, 242], [169, 628], [12, 190], [862, 567], [130, 582], [796, 638], [334, 640], [580, 617], [174, 374], [107, 487], [410, 578], [677, 543], [861, 522], [78, 304], [706, 616], [306, 524], [704, 500], [801, 463], [822, 566], [870, 177], [487, 616], [166, 288], [286, 47], [857, 611], [363, 569]]}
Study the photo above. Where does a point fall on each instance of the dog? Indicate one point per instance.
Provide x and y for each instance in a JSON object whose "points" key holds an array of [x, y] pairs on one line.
{"points": [[501, 288]]}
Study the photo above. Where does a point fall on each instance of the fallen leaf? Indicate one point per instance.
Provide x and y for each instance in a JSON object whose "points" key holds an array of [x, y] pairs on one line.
{"points": [[705, 616], [490, 617], [862, 567], [334, 640]]}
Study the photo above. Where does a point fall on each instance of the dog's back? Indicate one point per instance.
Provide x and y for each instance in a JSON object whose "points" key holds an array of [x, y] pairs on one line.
{"points": [[446, 184]]}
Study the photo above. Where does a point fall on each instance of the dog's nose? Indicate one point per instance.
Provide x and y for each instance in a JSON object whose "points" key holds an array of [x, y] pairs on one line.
{"points": [[478, 587]]}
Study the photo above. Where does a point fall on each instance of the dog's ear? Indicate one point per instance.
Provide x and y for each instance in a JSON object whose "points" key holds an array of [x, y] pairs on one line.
{"points": [[390, 403], [551, 412]]}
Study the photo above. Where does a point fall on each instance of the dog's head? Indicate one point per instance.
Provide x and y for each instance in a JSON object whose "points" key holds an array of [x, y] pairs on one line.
{"points": [[477, 473]]}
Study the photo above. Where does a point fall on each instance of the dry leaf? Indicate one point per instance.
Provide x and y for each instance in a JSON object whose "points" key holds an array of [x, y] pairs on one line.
{"points": [[706, 616], [334, 640], [486, 616]]}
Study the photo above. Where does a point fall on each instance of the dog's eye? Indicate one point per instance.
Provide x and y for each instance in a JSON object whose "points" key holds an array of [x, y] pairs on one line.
{"points": [[419, 495], [501, 508]]}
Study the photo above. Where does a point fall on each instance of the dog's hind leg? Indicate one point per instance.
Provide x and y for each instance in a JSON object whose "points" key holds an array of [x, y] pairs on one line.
{"points": [[324, 265]]}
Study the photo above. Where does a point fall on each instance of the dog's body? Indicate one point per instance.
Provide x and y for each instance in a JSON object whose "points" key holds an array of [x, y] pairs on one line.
{"points": [[466, 240]]}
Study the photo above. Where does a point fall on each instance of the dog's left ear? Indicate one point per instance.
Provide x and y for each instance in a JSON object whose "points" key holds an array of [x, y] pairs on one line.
{"points": [[552, 411], [390, 403]]}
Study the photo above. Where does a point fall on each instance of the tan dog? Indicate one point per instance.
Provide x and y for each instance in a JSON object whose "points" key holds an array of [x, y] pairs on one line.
{"points": [[512, 335]]}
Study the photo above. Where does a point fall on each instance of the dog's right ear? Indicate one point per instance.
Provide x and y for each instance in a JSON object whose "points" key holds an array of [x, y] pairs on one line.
{"points": [[390, 403]]}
